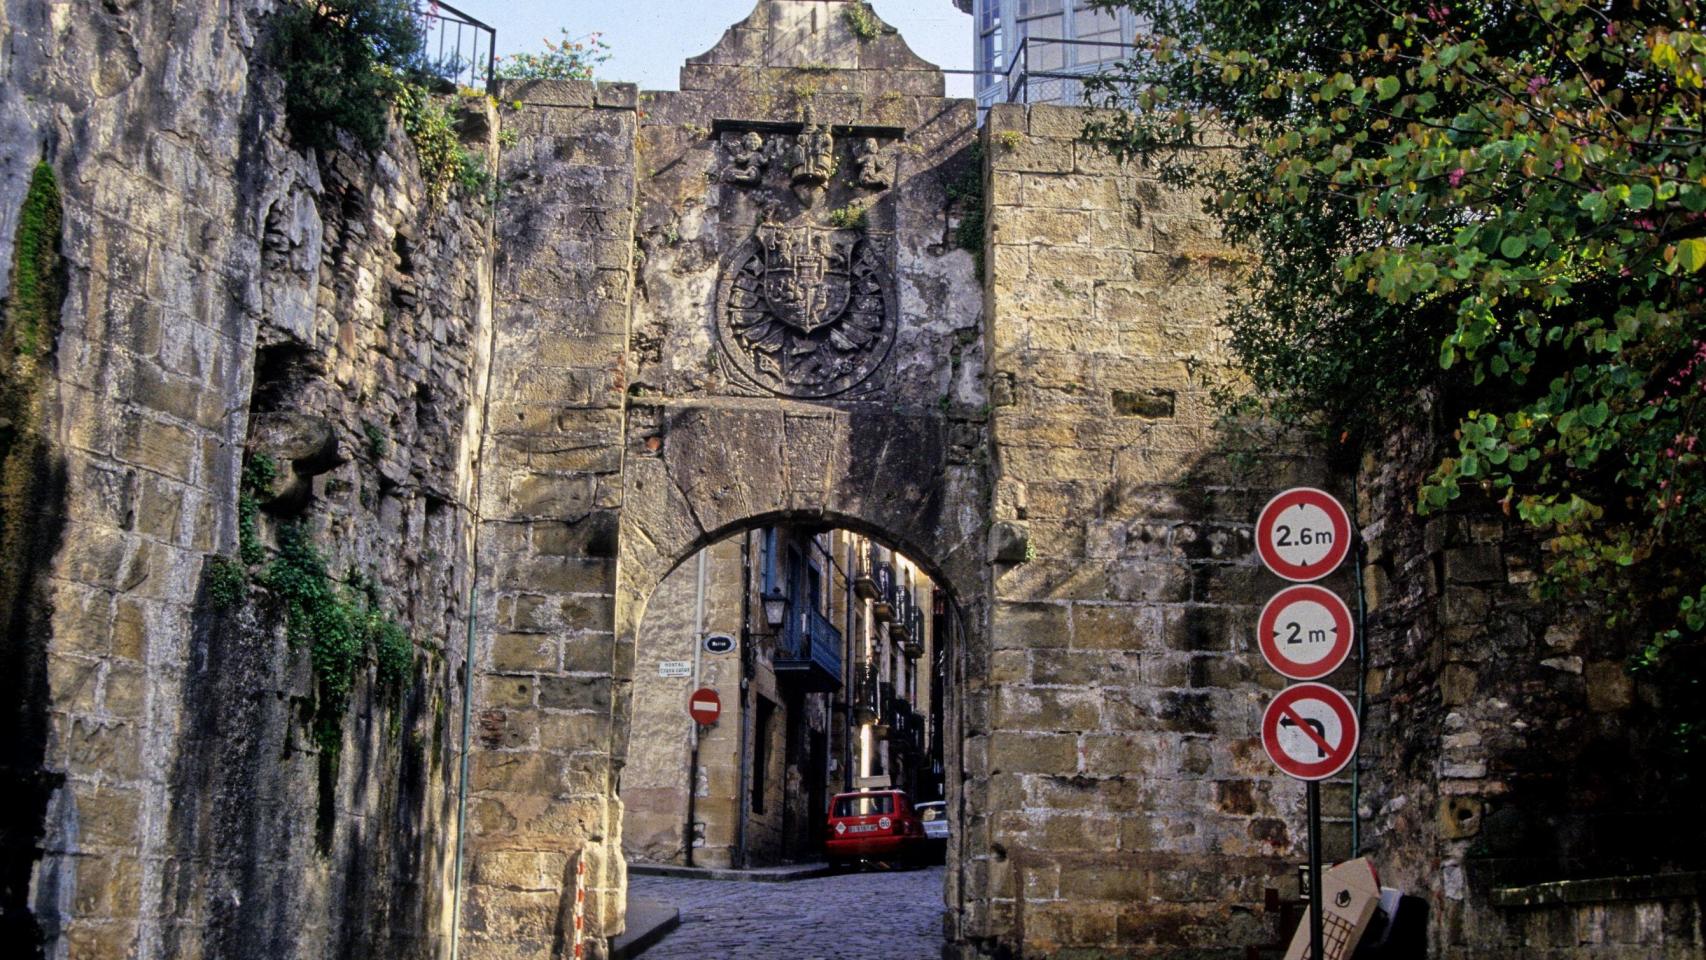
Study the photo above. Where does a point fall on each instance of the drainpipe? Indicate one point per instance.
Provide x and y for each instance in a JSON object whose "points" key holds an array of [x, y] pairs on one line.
{"points": [[847, 674], [468, 652], [741, 799], [693, 734], [1359, 553]]}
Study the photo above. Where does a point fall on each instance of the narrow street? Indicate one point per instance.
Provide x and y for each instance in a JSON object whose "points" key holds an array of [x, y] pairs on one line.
{"points": [[852, 916]]}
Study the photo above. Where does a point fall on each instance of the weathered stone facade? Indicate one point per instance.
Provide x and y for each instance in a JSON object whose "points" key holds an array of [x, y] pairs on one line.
{"points": [[226, 295], [689, 315], [1125, 807]]}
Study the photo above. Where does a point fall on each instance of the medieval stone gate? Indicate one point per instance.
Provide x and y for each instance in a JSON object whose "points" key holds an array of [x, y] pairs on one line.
{"points": [[752, 301], [762, 268]]}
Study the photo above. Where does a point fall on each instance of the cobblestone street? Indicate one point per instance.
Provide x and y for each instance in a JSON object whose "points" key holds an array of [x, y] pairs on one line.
{"points": [[851, 916]]}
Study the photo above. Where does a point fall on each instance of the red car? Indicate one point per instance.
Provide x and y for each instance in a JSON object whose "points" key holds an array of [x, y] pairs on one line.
{"points": [[872, 825]]}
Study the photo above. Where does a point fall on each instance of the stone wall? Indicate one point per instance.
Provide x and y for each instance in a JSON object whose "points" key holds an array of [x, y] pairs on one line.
{"points": [[543, 791], [1508, 745], [654, 789], [220, 284], [1126, 808]]}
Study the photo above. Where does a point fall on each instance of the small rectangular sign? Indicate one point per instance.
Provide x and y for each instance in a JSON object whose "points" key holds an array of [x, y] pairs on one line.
{"points": [[675, 668]]}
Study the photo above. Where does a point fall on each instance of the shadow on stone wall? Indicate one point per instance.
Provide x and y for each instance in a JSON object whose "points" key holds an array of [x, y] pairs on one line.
{"points": [[32, 517]]}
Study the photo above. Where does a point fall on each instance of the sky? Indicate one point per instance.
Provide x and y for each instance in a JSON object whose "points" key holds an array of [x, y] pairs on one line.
{"points": [[649, 39]]}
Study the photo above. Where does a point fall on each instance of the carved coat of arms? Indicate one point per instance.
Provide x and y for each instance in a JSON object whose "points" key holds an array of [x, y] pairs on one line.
{"points": [[807, 276], [805, 311]]}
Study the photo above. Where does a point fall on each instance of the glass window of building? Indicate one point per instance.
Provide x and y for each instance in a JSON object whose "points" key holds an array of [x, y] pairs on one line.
{"points": [[1034, 50]]}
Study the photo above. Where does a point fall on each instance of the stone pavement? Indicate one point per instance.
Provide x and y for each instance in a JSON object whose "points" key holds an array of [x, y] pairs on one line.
{"points": [[893, 915]]}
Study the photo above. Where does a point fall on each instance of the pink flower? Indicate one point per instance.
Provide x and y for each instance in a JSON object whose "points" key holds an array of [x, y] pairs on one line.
{"points": [[1535, 84], [1456, 176]]}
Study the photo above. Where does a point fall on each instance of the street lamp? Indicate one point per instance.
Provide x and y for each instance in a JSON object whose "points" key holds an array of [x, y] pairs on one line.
{"points": [[775, 607]]}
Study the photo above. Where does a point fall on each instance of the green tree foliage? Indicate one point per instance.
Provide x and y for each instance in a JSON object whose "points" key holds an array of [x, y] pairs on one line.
{"points": [[1505, 201], [348, 63], [337, 57], [565, 59]]}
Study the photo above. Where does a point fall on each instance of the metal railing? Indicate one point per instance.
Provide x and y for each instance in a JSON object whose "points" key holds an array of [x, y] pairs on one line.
{"points": [[900, 602], [864, 578], [810, 640], [883, 574], [867, 697], [914, 643], [456, 47], [1053, 69]]}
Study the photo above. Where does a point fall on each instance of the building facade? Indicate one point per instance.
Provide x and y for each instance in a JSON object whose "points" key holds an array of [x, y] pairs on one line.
{"points": [[821, 648], [1037, 51]]}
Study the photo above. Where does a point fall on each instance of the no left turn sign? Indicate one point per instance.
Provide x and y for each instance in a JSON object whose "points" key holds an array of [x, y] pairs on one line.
{"points": [[1303, 534], [1305, 632], [1310, 731]]}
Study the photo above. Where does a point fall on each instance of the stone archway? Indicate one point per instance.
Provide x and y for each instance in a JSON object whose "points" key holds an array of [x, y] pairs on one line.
{"points": [[710, 471], [736, 302]]}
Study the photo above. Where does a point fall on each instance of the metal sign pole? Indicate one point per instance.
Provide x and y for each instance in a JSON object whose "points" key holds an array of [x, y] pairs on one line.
{"points": [[1314, 800]]}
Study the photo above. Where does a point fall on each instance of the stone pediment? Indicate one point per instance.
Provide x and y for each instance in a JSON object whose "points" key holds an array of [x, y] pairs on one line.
{"points": [[781, 39]]}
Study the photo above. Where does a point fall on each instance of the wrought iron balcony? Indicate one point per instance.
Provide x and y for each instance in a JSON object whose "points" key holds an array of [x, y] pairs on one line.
{"points": [[867, 698], [914, 640], [887, 713], [900, 629], [900, 601], [883, 608], [907, 730], [865, 579], [808, 651]]}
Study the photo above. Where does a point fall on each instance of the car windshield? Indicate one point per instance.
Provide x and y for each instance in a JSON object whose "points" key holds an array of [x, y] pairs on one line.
{"points": [[865, 805]]}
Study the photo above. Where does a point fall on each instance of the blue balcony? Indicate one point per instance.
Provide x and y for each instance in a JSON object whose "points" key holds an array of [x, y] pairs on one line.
{"points": [[808, 652]]}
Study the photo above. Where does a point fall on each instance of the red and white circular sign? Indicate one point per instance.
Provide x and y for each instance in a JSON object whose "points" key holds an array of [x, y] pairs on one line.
{"points": [[704, 706], [1303, 534], [1310, 731], [1305, 632]]}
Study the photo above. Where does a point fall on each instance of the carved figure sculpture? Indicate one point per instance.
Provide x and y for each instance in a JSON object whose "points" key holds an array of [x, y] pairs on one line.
{"points": [[747, 160], [872, 169], [811, 161]]}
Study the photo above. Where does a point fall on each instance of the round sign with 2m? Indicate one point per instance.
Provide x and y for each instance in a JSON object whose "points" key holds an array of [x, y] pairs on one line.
{"points": [[1305, 632]]}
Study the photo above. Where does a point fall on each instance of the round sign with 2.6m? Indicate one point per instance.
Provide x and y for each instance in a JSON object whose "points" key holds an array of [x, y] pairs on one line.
{"points": [[1303, 534]]}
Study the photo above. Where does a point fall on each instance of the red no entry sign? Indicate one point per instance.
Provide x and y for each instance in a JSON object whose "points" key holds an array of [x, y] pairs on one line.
{"points": [[704, 706], [1310, 731], [1305, 632], [1303, 534]]}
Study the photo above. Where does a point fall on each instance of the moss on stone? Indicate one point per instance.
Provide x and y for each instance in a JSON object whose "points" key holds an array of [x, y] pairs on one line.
{"points": [[38, 280], [27, 337], [339, 626]]}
